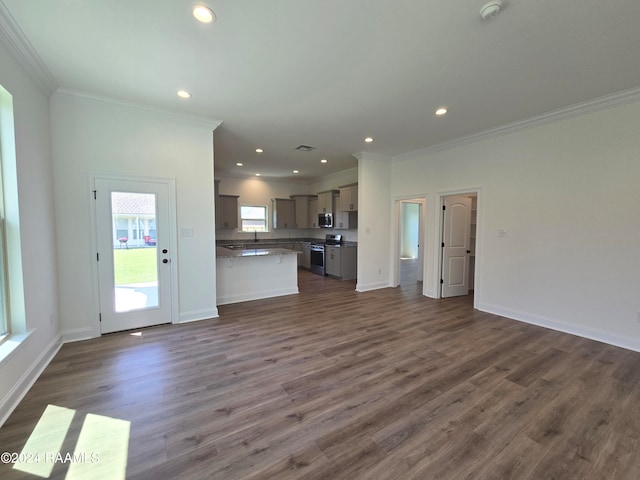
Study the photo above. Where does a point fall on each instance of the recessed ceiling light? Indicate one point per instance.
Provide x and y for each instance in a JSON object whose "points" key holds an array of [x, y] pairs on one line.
{"points": [[259, 150], [441, 111], [257, 174], [203, 14], [368, 139], [239, 164], [183, 94], [324, 160], [296, 171]]}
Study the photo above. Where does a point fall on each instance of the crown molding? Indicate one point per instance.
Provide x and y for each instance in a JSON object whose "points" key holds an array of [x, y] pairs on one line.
{"points": [[65, 95], [21, 49], [595, 105], [372, 156]]}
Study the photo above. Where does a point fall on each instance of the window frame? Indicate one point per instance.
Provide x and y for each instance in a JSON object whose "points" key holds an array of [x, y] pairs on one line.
{"points": [[266, 219]]}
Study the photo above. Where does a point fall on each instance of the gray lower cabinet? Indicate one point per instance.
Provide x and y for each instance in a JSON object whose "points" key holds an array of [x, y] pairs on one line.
{"points": [[304, 260], [341, 262]]}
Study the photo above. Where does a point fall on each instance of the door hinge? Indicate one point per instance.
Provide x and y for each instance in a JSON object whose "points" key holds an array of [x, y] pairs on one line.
{"points": [[444, 207], [442, 244], [100, 317], [97, 257], [94, 194], [441, 281]]}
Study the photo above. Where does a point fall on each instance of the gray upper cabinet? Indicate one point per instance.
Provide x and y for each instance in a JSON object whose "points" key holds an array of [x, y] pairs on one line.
{"points": [[313, 212], [284, 215], [348, 198], [302, 212], [326, 203], [227, 212]]}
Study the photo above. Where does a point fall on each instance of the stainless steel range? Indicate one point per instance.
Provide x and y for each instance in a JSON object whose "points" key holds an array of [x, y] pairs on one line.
{"points": [[317, 252]]}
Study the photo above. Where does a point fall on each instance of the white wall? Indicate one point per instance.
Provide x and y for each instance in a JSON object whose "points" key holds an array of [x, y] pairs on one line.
{"points": [[409, 233], [374, 221], [93, 136], [568, 195], [37, 234]]}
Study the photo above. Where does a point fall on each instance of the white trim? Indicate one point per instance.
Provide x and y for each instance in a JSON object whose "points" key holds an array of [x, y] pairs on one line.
{"points": [[79, 97], [79, 334], [14, 396], [592, 333], [198, 315], [24, 53], [372, 286], [594, 105], [278, 292]]}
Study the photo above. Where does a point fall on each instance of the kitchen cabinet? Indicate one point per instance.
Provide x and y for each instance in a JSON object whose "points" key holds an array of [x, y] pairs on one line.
{"points": [[302, 211], [348, 198], [341, 262], [227, 212], [283, 213], [326, 202], [305, 258], [313, 212], [345, 220]]}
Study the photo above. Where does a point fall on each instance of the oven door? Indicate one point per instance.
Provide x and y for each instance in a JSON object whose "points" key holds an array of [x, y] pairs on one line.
{"points": [[317, 259]]}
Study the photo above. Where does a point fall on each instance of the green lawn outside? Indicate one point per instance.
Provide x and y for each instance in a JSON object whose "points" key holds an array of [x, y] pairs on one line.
{"points": [[135, 265]]}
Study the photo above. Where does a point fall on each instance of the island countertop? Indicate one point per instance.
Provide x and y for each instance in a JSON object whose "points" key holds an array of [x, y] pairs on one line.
{"points": [[222, 252]]}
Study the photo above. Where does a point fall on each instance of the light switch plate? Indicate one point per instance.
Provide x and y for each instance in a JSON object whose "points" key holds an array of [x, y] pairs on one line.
{"points": [[503, 233]]}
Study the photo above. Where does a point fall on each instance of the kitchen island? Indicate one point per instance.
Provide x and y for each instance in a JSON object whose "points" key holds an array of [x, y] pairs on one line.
{"points": [[254, 273]]}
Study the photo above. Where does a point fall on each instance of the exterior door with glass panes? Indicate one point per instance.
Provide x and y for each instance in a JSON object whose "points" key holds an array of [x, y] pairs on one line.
{"points": [[134, 253]]}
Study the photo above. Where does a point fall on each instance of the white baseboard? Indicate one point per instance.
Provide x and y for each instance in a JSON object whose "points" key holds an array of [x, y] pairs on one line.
{"points": [[371, 286], [14, 396], [256, 295], [604, 336], [77, 335], [197, 315]]}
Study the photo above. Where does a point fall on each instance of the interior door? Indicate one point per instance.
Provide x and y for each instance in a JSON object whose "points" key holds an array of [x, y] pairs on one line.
{"points": [[456, 246], [133, 234]]}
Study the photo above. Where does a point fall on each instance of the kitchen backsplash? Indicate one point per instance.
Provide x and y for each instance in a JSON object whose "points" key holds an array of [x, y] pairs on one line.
{"points": [[319, 233]]}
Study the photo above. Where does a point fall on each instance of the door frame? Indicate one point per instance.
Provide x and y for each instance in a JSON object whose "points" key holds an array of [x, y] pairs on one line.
{"points": [[173, 243], [437, 241], [422, 234]]}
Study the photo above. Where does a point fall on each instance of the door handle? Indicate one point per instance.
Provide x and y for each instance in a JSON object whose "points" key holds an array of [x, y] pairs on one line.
{"points": [[164, 260], [468, 251]]}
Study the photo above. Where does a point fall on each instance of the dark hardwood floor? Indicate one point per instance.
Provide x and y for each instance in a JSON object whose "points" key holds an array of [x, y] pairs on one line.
{"points": [[335, 384]]}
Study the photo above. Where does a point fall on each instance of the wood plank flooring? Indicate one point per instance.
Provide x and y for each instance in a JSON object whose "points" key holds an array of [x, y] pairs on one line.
{"points": [[335, 384]]}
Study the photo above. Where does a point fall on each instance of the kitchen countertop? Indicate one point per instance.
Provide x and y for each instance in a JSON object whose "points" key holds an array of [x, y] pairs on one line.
{"points": [[222, 252]]}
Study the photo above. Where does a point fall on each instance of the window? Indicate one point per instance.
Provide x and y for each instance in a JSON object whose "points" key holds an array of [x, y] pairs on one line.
{"points": [[12, 306], [253, 218]]}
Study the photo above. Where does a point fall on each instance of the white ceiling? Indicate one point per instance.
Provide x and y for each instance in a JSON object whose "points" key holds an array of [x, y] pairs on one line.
{"points": [[327, 73]]}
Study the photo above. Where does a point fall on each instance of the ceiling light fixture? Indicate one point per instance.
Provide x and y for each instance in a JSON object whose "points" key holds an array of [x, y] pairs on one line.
{"points": [[296, 171], [491, 9], [441, 111], [257, 174], [324, 160], [368, 139], [239, 164], [259, 150], [183, 94], [203, 14]]}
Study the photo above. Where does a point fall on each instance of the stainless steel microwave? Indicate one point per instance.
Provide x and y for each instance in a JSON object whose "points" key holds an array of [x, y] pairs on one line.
{"points": [[325, 220]]}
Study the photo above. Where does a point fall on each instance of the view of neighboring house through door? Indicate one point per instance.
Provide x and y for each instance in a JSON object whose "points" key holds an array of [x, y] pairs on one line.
{"points": [[457, 264], [134, 251]]}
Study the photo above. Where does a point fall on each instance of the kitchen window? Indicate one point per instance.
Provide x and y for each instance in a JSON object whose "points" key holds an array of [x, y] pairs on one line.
{"points": [[253, 218]]}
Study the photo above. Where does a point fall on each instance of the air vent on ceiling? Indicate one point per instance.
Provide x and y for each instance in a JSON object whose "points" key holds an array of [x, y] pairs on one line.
{"points": [[305, 148]]}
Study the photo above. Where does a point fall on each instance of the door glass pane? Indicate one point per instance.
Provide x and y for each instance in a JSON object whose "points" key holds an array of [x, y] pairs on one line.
{"points": [[135, 263]]}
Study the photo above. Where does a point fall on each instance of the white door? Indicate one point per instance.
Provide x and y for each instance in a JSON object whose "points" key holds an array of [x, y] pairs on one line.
{"points": [[456, 238], [133, 232]]}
